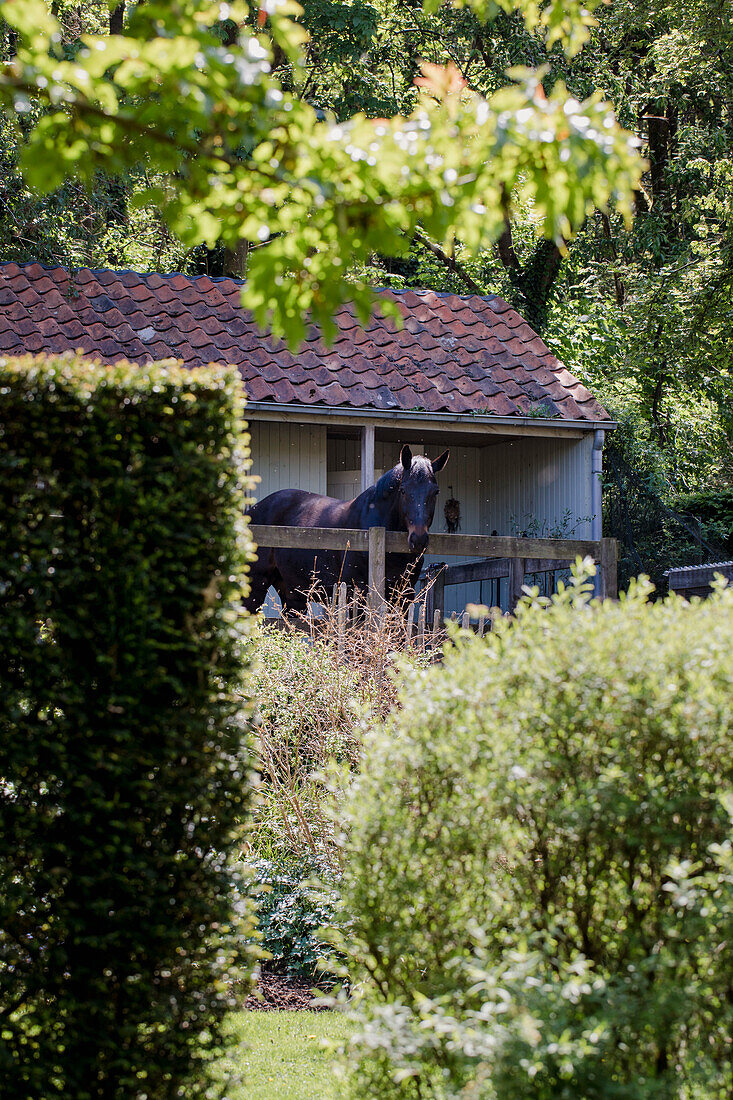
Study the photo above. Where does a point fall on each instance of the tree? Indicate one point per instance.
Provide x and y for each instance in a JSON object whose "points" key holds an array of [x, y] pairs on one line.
{"points": [[244, 158]]}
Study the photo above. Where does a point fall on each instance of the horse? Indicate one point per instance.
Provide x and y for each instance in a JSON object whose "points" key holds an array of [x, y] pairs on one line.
{"points": [[403, 499]]}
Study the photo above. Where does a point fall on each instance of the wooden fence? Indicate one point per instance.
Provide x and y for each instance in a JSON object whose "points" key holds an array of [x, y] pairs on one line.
{"points": [[503, 556]]}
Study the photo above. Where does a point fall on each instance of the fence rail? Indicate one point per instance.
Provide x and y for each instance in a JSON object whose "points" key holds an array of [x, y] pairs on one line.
{"points": [[507, 556]]}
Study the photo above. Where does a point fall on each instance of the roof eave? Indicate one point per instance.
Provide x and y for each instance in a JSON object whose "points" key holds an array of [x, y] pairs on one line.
{"points": [[473, 421]]}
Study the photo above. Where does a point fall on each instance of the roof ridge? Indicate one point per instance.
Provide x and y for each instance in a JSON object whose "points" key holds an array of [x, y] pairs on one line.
{"points": [[490, 297], [437, 293]]}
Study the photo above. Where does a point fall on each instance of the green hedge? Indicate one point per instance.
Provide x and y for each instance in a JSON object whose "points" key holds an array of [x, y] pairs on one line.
{"points": [[123, 759], [522, 851]]}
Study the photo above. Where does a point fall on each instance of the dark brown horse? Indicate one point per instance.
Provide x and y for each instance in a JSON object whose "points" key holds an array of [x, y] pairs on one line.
{"points": [[402, 500]]}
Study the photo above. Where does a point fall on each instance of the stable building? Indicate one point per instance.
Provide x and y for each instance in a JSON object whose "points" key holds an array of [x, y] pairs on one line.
{"points": [[463, 371]]}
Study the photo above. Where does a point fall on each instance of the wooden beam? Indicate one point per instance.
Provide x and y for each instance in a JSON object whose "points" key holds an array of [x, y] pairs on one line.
{"points": [[376, 567], [415, 424], [367, 456], [478, 546], [498, 546], [309, 538], [495, 568]]}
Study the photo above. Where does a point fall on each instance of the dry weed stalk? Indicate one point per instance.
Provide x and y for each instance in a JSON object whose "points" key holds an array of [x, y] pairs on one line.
{"points": [[321, 678]]}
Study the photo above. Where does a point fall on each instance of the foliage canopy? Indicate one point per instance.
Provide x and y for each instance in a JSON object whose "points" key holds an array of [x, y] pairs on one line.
{"points": [[190, 87]]}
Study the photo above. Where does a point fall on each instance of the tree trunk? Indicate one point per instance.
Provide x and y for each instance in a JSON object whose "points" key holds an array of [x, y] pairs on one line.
{"points": [[234, 260], [533, 283], [536, 281], [658, 134], [117, 19], [619, 286]]}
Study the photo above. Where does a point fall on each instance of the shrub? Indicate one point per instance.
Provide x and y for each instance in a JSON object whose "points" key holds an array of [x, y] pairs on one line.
{"points": [[301, 900], [122, 550], [514, 837], [309, 706], [314, 692]]}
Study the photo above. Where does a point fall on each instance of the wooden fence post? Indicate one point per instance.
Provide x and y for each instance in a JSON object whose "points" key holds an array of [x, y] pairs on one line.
{"points": [[439, 590], [516, 580], [608, 568], [376, 567]]}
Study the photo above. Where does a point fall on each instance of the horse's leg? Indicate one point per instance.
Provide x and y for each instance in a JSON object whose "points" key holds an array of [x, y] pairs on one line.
{"points": [[292, 600], [259, 582], [401, 584]]}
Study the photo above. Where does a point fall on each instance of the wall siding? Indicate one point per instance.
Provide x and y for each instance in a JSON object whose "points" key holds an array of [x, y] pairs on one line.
{"points": [[542, 486], [286, 456]]}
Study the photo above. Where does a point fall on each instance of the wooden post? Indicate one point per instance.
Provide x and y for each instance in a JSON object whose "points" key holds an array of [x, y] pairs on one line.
{"points": [[367, 456], [437, 624], [481, 625], [466, 621], [429, 598], [421, 627], [516, 580], [439, 590], [608, 569], [376, 567]]}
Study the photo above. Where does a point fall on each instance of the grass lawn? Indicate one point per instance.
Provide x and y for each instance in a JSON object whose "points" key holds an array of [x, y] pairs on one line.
{"points": [[281, 1055]]}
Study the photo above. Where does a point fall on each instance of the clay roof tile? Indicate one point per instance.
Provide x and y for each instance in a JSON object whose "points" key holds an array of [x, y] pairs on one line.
{"points": [[457, 353]]}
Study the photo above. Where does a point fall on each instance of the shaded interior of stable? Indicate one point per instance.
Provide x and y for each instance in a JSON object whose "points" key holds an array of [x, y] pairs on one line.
{"points": [[538, 486]]}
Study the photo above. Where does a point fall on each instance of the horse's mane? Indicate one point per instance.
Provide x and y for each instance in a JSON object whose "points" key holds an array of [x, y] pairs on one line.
{"points": [[387, 482]]}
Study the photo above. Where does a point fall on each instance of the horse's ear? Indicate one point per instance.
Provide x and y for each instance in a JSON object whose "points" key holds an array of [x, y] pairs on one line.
{"points": [[440, 461], [406, 458]]}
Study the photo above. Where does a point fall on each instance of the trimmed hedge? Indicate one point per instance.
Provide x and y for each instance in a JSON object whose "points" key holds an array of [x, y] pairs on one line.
{"points": [[534, 849], [123, 743]]}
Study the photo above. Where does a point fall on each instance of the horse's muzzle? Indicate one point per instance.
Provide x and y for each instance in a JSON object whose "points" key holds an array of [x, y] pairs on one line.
{"points": [[417, 541]]}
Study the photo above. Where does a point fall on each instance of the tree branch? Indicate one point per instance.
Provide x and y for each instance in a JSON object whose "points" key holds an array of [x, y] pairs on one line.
{"points": [[449, 262]]}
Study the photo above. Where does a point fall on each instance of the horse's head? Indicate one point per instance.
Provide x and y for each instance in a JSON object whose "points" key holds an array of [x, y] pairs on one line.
{"points": [[417, 493]]}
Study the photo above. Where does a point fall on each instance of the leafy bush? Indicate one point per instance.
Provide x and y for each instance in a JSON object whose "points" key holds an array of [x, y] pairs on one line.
{"points": [[122, 755], [713, 511], [512, 842], [302, 899]]}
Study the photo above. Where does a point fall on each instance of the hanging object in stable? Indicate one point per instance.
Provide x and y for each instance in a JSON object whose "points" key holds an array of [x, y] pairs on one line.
{"points": [[452, 513]]}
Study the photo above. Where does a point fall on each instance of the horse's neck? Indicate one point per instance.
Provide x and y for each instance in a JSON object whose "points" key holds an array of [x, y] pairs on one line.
{"points": [[361, 514]]}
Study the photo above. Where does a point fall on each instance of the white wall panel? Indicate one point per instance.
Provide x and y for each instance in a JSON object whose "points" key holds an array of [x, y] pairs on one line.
{"points": [[541, 486], [288, 456]]}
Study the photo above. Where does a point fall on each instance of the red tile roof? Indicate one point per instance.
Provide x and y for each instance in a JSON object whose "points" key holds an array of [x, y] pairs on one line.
{"points": [[456, 353]]}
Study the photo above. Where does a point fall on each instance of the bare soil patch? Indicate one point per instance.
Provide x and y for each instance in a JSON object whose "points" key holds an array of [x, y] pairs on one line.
{"points": [[274, 993]]}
